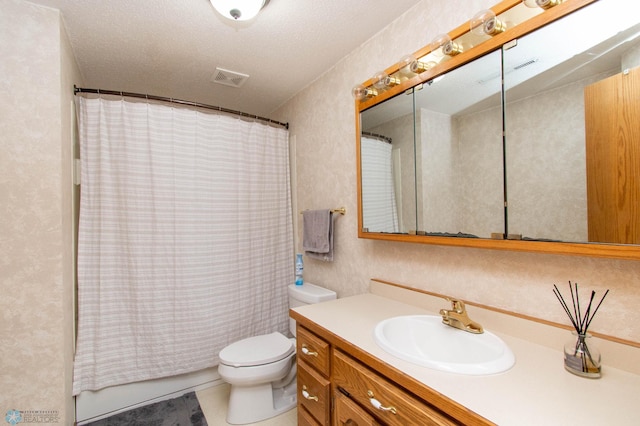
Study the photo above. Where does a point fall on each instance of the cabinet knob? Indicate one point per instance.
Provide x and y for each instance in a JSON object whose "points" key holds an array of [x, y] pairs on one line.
{"points": [[308, 396], [306, 351], [378, 405]]}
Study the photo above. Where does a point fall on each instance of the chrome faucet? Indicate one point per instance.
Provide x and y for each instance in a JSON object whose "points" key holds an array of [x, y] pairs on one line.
{"points": [[457, 317]]}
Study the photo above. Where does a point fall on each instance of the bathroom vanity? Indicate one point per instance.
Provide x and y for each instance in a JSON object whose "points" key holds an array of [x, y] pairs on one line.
{"points": [[345, 378]]}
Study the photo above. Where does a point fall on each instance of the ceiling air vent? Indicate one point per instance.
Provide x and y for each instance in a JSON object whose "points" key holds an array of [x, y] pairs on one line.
{"points": [[229, 78], [507, 71], [526, 64]]}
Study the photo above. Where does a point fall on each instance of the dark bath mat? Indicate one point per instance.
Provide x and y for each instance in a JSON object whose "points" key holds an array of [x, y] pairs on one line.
{"points": [[182, 411]]}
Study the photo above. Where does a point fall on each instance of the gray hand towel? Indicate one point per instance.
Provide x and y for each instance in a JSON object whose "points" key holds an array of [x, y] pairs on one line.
{"points": [[317, 234]]}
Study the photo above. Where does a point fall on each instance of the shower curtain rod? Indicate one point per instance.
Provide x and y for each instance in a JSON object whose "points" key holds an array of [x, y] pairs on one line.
{"points": [[379, 137], [77, 90]]}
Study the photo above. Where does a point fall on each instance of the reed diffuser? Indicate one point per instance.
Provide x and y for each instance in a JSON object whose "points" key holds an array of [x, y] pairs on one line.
{"points": [[581, 357]]}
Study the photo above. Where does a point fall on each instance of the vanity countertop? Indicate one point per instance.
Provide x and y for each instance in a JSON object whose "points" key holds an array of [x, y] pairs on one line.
{"points": [[536, 391]]}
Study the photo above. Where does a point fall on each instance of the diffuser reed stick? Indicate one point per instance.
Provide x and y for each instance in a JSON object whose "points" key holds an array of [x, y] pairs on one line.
{"points": [[580, 322], [579, 358]]}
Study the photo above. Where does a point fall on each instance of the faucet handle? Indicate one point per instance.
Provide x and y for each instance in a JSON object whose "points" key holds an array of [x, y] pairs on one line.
{"points": [[456, 305]]}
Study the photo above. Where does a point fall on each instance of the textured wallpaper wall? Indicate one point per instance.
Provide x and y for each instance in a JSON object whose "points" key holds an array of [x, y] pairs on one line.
{"points": [[322, 121], [36, 254]]}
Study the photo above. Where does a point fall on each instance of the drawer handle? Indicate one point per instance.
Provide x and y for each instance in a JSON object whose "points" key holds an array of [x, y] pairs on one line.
{"points": [[306, 351], [378, 405], [306, 394]]}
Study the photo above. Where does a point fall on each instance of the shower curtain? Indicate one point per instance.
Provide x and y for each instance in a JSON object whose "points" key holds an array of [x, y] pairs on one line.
{"points": [[379, 206], [185, 239]]}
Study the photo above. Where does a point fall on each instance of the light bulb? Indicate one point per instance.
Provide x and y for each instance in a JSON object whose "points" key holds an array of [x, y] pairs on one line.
{"points": [[409, 65], [545, 4], [360, 92], [383, 81], [404, 65], [442, 45], [378, 80], [420, 67], [486, 23]]}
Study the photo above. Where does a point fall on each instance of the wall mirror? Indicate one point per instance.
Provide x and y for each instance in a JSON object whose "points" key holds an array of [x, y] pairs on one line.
{"points": [[526, 141]]}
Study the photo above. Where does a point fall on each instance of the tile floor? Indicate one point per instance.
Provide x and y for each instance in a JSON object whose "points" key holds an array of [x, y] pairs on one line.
{"points": [[213, 402]]}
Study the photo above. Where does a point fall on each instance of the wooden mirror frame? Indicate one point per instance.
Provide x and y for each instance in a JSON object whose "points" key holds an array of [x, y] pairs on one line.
{"points": [[607, 250]]}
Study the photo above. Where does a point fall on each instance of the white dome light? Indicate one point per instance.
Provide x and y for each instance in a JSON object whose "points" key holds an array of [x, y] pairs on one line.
{"points": [[238, 10]]}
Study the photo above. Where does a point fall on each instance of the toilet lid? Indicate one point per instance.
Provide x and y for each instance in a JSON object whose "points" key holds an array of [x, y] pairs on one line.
{"points": [[257, 350]]}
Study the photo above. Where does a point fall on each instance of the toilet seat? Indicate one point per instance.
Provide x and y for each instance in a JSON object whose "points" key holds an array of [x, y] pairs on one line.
{"points": [[257, 350]]}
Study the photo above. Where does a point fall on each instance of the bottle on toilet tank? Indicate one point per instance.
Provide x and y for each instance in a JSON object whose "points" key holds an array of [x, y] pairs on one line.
{"points": [[299, 269]]}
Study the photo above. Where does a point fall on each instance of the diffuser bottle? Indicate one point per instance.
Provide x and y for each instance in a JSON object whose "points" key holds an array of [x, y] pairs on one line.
{"points": [[582, 357]]}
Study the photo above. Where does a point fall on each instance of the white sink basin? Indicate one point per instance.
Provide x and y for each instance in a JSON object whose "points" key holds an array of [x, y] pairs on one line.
{"points": [[426, 341]]}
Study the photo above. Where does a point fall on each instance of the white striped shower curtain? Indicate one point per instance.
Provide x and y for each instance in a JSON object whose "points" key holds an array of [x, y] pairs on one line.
{"points": [[379, 206], [185, 239]]}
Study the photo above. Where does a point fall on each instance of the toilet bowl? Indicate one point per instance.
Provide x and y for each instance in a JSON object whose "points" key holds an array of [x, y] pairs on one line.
{"points": [[259, 370], [262, 370]]}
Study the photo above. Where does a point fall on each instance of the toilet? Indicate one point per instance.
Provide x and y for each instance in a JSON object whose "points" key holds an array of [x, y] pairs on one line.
{"points": [[262, 370]]}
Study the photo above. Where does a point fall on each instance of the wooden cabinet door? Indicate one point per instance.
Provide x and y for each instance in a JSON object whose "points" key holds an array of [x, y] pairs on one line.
{"points": [[612, 114]]}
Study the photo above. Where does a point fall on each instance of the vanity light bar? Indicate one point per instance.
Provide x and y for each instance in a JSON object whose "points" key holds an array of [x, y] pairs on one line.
{"points": [[484, 23]]}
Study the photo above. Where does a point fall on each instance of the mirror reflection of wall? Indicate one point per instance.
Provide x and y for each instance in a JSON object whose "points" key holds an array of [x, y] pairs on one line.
{"points": [[459, 146], [545, 154]]}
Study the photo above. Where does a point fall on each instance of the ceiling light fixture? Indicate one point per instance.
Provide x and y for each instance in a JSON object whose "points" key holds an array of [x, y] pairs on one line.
{"points": [[238, 10]]}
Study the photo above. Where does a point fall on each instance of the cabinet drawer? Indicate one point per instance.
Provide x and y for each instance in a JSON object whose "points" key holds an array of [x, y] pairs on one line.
{"points": [[313, 350], [348, 413], [314, 393], [306, 419], [396, 407]]}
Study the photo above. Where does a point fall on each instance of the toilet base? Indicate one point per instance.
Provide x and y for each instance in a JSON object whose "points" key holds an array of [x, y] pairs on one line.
{"points": [[250, 404]]}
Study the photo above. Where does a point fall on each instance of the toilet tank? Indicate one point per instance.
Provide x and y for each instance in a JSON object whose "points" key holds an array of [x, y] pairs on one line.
{"points": [[307, 294]]}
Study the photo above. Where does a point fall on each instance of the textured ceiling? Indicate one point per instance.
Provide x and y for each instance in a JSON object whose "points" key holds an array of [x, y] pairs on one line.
{"points": [[171, 48]]}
